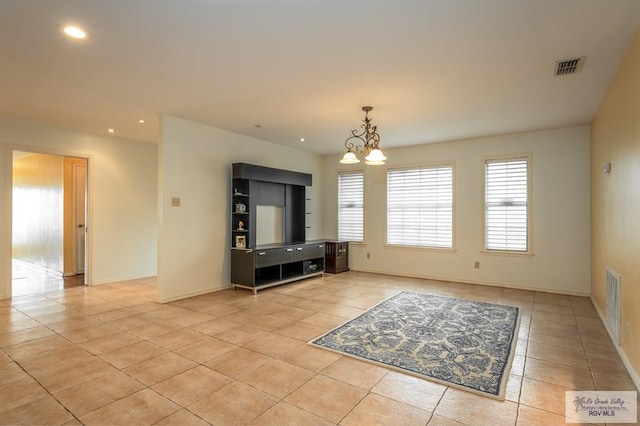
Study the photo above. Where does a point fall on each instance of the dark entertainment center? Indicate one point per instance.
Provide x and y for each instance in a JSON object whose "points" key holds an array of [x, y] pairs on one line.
{"points": [[268, 236]]}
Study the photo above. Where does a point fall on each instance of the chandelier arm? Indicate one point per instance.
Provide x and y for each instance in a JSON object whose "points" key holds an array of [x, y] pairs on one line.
{"points": [[375, 139], [355, 134], [350, 145]]}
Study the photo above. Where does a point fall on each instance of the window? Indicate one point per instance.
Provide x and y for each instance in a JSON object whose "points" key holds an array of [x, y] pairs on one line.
{"points": [[351, 206], [506, 204], [420, 207]]}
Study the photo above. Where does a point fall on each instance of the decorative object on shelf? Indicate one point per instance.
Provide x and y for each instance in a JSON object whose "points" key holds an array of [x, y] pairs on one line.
{"points": [[240, 226], [240, 208], [369, 146], [240, 192], [241, 241]]}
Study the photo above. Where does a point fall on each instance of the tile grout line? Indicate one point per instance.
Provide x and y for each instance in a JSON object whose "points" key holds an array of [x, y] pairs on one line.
{"points": [[526, 360], [44, 388]]}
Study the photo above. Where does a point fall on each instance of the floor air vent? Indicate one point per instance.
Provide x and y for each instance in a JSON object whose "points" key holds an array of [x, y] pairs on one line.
{"points": [[569, 66], [613, 303]]}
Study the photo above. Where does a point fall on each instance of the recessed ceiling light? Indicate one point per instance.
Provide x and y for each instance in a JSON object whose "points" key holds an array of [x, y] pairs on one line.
{"points": [[141, 121], [110, 130], [75, 32], [301, 139]]}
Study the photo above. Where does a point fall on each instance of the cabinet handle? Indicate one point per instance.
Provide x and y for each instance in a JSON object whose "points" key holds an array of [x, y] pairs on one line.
{"points": [[261, 253], [299, 248], [289, 249], [320, 246]]}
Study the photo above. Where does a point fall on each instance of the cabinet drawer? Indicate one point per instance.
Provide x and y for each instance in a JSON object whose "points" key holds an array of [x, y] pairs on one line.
{"points": [[309, 251], [273, 257]]}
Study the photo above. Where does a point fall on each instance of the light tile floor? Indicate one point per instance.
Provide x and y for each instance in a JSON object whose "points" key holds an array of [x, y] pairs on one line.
{"points": [[110, 355], [27, 278]]}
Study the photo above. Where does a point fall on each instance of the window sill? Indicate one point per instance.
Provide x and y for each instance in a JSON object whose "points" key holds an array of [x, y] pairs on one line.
{"points": [[418, 248], [507, 253]]}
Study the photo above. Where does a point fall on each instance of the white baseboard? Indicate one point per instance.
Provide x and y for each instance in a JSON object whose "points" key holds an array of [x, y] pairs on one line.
{"points": [[197, 293], [119, 280], [466, 281], [634, 375]]}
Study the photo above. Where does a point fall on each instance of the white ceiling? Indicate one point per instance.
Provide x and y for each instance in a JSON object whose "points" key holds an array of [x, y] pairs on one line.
{"points": [[433, 70]]}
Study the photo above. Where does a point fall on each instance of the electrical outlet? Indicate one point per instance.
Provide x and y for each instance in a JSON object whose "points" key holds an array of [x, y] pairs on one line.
{"points": [[476, 264], [175, 202], [368, 255]]}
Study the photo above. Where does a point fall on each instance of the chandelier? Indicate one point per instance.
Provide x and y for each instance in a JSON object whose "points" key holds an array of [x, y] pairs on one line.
{"points": [[366, 144]]}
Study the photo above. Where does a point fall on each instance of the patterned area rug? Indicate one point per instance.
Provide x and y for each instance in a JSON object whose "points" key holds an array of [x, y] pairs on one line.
{"points": [[456, 342]]}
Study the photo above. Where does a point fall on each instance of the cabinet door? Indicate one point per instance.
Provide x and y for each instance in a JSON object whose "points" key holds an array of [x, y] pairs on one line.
{"points": [[342, 250], [242, 267]]}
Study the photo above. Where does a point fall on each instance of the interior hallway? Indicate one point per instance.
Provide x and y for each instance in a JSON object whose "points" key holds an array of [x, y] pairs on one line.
{"points": [[109, 354], [31, 279]]}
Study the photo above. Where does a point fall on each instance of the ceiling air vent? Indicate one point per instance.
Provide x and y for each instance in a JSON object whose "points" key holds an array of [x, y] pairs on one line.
{"points": [[569, 66]]}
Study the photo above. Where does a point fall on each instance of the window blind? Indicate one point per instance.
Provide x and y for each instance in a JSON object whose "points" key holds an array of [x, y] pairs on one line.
{"points": [[420, 207], [351, 206], [506, 205]]}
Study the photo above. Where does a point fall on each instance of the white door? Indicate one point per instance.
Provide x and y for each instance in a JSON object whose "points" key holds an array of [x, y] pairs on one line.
{"points": [[79, 201]]}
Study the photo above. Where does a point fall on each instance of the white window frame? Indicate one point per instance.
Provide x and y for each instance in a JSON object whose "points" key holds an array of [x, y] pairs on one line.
{"points": [[391, 243], [349, 236], [527, 158]]}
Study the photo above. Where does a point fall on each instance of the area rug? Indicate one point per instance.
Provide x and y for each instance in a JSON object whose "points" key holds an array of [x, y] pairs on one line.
{"points": [[460, 343]]}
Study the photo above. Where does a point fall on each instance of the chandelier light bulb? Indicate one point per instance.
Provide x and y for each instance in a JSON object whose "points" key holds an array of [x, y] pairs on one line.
{"points": [[349, 158], [375, 158]]}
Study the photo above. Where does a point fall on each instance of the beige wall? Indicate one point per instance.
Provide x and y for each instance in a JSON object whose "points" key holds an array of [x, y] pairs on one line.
{"points": [[122, 232], [615, 207], [37, 210], [560, 216], [195, 165]]}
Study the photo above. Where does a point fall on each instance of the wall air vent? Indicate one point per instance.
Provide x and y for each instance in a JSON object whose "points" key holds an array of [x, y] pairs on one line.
{"points": [[613, 303], [569, 66]]}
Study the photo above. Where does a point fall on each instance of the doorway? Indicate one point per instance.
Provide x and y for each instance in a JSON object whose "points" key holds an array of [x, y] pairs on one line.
{"points": [[49, 222]]}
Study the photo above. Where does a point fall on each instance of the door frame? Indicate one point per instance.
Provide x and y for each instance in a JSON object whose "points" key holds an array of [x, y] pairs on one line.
{"points": [[76, 219], [8, 243]]}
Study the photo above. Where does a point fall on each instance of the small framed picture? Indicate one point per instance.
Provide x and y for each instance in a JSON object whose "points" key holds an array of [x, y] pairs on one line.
{"points": [[241, 241]]}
